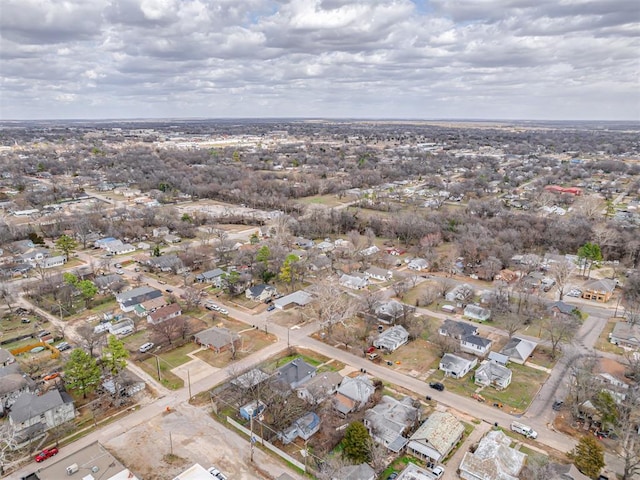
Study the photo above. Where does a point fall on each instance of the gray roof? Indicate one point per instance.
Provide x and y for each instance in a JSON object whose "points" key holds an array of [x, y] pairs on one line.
{"points": [[250, 379], [499, 357], [519, 348], [489, 372], [605, 285], [359, 388], [493, 459], [300, 298], [14, 382], [208, 275], [29, 405], [458, 329], [103, 281], [449, 360], [562, 307], [355, 472], [477, 340], [440, 431], [135, 292], [295, 371], [216, 337], [626, 332], [390, 418], [392, 338]]}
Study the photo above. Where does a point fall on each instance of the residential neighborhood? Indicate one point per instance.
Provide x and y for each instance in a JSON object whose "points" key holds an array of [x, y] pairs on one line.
{"points": [[390, 327]]}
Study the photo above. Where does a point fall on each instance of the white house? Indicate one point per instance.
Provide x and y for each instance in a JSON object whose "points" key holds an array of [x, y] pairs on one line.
{"points": [[52, 262], [456, 366], [354, 282], [478, 313], [418, 264], [392, 339], [367, 252], [389, 420], [379, 274], [493, 374], [519, 349], [476, 345]]}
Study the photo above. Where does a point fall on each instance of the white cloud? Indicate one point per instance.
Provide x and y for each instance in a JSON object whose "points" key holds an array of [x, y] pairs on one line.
{"points": [[375, 58]]}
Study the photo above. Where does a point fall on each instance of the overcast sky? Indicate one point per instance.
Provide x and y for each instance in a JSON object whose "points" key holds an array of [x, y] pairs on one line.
{"points": [[484, 59]]}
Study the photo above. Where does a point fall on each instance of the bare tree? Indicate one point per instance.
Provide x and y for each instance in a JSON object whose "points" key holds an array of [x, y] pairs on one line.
{"points": [[629, 445], [561, 272], [428, 296], [444, 286], [6, 295], [378, 456], [89, 339], [8, 445], [631, 298], [331, 305], [445, 344], [559, 330], [169, 330], [513, 323]]}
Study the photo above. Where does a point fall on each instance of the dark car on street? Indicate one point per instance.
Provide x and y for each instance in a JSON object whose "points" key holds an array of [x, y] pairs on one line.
{"points": [[437, 386], [557, 405]]}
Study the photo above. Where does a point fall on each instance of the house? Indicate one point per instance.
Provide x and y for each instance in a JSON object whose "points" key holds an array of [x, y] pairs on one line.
{"points": [[519, 350], [299, 298], [380, 274], [213, 277], [51, 262], [304, 243], [166, 263], [103, 241], [355, 282], [418, 264], [626, 334], [250, 379], [252, 409], [457, 330], [477, 313], [436, 437], [260, 293], [150, 306], [104, 282], [128, 384], [121, 248], [476, 345], [129, 299], [32, 415], [459, 293], [561, 310], [217, 339], [169, 239], [34, 257], [13, 383], [296, 372], [321, 262], [456, 366], [599, 290], [392, 339], [492, 374], [325, 246], [355, 472], [304, 427], [367, 252], [390, 312], [125, 325], [320, 387], [498, 358], [352, 394], [389, 420], [494, 459], [88, 460], [163, 314]]}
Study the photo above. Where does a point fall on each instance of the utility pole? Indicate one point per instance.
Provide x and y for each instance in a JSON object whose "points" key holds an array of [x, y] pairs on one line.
{"points": [[158, 366], [251, 436], [189, 382]]}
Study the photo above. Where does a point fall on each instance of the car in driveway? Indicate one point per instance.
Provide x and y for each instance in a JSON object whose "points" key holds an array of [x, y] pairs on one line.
{"points": [[574, 292], [437, 386], [145, 347], [46, 453], [62, 346], [271, 308], [438, 471], [392, 476]]}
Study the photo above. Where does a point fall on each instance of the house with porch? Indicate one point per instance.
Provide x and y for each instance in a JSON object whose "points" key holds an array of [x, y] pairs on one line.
{"points": [[353, 394], [436, 437], [457, 366], [392, 338], [492, 374], [217, 339], [261, 293], [354, 282], [31, 415], [164, 313], [390, 420], [379, 274]]}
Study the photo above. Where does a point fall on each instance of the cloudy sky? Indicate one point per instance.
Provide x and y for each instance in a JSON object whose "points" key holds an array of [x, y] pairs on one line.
{"points": [[484, 59]]}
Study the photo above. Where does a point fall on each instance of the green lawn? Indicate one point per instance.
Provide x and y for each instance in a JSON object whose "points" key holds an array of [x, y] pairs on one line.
{"points": [[515, 398], [167, 362], [603, 344]]}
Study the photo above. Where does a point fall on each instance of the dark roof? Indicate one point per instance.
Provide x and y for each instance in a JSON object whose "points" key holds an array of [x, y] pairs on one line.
{"points": [[458, 329], [29, 405], [257, 290], [142, 298], [294, 371], [477, 340], [562, 307], [208, 275], [216, 337]]}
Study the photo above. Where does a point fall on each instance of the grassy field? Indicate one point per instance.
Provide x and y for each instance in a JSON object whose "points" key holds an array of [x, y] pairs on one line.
{"points": [[327, 200], [516, 397], [167, 361]]}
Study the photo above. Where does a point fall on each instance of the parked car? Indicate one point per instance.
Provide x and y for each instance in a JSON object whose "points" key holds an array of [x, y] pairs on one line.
{"points": [[145, 347], [168, 290], [25, 320], [62, 346], [557, 405], [574, 292], [437, 386], [438, 471], [392, 476], [212, 306], [224, 311], [371, 349], [271, 308], [119, 271], [43, 333], [215, 473], [46, 453]]}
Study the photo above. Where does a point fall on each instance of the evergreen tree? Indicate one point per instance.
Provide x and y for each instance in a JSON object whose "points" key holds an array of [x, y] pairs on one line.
{"points": [[81, 372], [114, 356], [66, 244], [588, 456], [356, 442], [589, 254]]}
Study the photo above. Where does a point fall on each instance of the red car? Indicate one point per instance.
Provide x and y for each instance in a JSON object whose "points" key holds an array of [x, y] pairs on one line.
{"points": [[46, 453]]}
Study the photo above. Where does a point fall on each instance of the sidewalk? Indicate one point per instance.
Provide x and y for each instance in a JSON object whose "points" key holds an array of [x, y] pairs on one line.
{"points": [[454, 462]]}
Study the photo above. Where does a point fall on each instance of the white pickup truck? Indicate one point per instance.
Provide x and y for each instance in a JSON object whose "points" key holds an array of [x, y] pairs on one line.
{"points": [[524, 430]]}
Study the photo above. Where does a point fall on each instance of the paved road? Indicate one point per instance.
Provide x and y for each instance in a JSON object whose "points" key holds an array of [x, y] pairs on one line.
{"points": [[538, 415]]}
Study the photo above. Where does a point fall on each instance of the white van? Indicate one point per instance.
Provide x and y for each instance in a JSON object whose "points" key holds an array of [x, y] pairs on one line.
{"points": [[524, 430], [145, 347]]}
